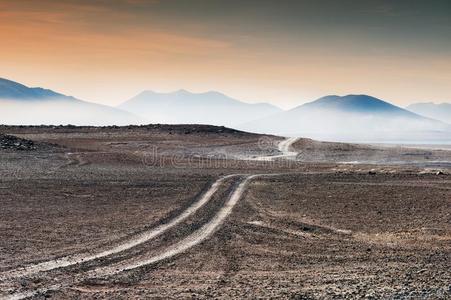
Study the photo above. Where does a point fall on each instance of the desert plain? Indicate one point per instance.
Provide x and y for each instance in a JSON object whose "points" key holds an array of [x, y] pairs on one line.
{"points": [[201, 212]]}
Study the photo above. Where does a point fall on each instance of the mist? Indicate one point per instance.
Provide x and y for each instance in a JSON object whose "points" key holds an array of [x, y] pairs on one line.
{"points": [[440, 112], [350, 118], [63, 112], [332, 125], [184, 107]]}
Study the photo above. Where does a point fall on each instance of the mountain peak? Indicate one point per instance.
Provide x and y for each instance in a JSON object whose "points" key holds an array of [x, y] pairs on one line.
{"points": [[51, 108], [354, 103], [15, 91], [182, 92], [350, 117], [184, 107], [355, 98]]}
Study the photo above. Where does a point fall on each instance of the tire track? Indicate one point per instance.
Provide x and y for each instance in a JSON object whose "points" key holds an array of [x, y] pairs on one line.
{"points": [[284, 147], [197, 237], [137, 240], [192, 240]]}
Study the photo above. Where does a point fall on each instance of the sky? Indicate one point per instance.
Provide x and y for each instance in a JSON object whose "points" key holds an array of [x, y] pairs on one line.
{"points": [[283, 52]]}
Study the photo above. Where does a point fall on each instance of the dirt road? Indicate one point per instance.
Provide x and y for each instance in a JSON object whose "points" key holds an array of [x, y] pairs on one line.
{"points": [[195, 238], [192, 240], [285, 148], [302, 235], [132, 242]]}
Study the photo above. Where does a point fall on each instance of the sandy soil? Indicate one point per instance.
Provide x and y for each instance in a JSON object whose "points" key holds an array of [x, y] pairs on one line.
{"points": [[310, 150], [318, 227]]}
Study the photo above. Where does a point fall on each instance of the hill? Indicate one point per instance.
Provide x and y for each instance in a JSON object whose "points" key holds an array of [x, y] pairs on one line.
{"points": [[350, 118], [183, 107], [22, 105]]}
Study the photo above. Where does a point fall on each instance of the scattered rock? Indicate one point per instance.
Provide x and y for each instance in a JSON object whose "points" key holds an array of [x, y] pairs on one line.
{"points": [[11, 142]]}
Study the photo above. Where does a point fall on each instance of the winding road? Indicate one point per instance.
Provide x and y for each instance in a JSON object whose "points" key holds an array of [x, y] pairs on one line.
{"points": [[285, 147], [195, 238], [132, 242]]}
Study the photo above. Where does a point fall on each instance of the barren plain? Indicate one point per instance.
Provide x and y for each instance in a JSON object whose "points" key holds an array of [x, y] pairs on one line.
{"points": [[201, 212]]}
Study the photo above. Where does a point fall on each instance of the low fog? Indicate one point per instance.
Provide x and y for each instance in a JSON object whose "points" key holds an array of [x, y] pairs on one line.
{"points": [[63, 112], [440, 112], [184, 107], [332, 125], [356, 118]]}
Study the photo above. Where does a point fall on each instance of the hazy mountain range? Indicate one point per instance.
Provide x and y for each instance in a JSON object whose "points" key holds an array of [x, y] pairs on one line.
{"points": [[206, 108], [351, 117], [22, 105], [16, 91]]}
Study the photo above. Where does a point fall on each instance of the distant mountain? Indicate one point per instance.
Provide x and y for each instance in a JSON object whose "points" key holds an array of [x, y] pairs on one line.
{"points": [[350, 118], [15, 91], [440, 112], [183, 107], [360, 104], [22, 105]]}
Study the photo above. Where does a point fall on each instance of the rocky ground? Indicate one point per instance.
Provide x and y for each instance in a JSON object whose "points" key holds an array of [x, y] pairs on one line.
{"points": [[310, 150], [315, 229], [10, 142]]}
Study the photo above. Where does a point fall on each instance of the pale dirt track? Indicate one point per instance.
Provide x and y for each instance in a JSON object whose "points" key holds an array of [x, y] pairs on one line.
{"points": [[133, 242], [285, 148], [190, 241], [195, 238]]}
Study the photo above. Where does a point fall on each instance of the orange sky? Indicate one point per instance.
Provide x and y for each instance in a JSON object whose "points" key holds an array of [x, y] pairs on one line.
{"points": [[108, 51]]}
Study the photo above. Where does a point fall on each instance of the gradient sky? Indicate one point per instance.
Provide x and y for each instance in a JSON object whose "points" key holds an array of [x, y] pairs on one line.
{"points": [[284, 52]]}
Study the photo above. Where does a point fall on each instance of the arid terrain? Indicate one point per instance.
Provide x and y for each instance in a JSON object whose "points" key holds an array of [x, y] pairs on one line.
{"points": [[191, 211]]}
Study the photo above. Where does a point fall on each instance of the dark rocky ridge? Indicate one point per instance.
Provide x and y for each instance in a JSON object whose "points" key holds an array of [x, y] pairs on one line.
{"points": [[176, 129], [10, 142]]}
